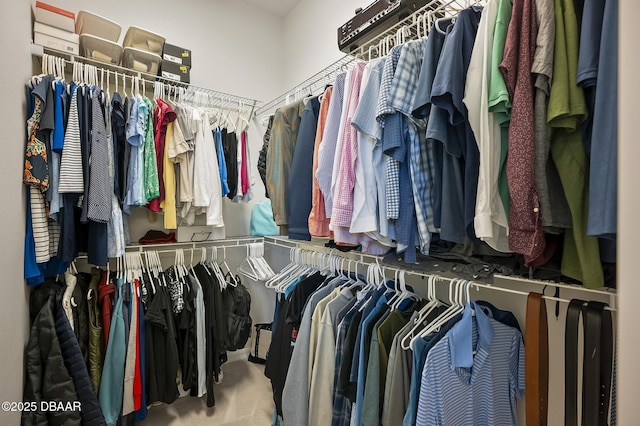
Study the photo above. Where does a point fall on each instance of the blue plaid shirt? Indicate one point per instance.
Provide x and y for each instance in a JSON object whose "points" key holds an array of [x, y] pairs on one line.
{"points": [[384, 109]]}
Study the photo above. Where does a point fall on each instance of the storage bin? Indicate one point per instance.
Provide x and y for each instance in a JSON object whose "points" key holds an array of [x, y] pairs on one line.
{"points": [[90, 23], [142, 39], [141, 60], [100, 49]]}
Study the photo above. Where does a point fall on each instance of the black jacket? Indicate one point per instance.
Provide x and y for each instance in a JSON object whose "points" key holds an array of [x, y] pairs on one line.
{"points": [[47, 378], [74, 361]]}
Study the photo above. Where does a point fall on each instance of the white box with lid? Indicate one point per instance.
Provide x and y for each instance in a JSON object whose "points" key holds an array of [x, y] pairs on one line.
{"points": [[96, 25]]}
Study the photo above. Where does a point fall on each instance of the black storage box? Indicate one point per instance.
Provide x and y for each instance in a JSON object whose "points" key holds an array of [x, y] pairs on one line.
{"points": [[175, 72], [176, 54]]}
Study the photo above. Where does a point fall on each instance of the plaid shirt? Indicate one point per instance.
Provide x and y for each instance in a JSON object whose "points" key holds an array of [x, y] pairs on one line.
{"points": [[402, 98], [383, 109], [346, 177], [342, 405]]}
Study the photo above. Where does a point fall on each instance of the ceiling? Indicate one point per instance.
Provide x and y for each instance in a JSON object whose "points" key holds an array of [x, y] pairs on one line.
{"points": [[280, 8]]}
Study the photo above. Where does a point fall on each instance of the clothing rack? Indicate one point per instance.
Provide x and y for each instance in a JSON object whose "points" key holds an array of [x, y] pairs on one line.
{"points": [[190, 245], [366, 259], [311, 85], [223, 99], [412, 27]]}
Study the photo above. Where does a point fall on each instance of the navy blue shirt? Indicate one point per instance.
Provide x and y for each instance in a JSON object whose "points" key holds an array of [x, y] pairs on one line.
{"points": [[300, 178], [451, 127]]}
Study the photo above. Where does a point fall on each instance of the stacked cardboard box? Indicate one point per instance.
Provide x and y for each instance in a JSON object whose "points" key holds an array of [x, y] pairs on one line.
{"points": [[55, 28], [176, 63]]}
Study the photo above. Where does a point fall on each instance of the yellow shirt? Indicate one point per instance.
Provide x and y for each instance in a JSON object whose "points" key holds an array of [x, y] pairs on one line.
{"points": [[169, 176]]}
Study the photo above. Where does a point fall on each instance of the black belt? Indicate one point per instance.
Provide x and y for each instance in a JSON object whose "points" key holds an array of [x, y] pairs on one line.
{"points": [[597, 363]]}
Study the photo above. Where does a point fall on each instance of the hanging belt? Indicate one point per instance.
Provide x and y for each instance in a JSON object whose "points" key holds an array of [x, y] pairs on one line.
{"points": [[597, 363], [536, 343]]}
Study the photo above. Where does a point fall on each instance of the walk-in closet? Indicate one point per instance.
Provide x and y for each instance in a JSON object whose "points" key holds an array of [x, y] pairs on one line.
{"points": [[306, 212]]}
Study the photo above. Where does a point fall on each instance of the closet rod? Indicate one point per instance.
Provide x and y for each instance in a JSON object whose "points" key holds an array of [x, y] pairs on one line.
{"points": [[38, 51], [190, 245], [479, 286], [312, 84], [449, 280], [367, 258]]}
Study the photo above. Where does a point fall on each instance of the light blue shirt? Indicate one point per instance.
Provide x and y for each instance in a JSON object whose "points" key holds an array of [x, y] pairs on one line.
{"points": [[474, 375], [327, 148], [370, 131], [136, 140]]}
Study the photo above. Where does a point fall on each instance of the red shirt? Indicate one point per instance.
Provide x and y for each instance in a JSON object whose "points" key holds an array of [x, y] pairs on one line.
{"points": [[106, 291], [162, 116]]}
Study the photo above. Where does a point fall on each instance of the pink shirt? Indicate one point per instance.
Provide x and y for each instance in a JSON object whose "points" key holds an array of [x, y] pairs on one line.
{"points": [[346, 176], [244, 171]]}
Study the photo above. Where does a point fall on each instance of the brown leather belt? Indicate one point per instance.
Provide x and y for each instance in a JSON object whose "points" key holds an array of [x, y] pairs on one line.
{"points": [[536, 344]]}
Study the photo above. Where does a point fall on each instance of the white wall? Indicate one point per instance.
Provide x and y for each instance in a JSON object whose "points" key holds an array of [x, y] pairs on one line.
{"points": [[628, 207], [234, 46], [310, 36], [15, 31]]}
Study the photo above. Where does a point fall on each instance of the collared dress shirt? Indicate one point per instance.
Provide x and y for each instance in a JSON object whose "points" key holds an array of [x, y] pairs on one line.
{"points": [[525, 222], [490, 221], [318, 222], [327, 148], [280, 155]]}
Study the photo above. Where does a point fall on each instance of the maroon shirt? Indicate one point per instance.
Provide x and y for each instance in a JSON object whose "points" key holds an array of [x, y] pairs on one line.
{"points": [[106, 292], [525, 220], [162, 116]]}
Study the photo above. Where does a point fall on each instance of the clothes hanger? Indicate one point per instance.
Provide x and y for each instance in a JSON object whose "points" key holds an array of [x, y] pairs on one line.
{"points": [[224, 264], [295, 274], [215, 268], [432, 303], [247, 268], [273, 281], [455, 308]]}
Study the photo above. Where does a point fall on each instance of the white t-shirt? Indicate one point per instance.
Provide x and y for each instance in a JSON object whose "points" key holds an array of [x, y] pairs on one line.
{"points": [[490, 219]]}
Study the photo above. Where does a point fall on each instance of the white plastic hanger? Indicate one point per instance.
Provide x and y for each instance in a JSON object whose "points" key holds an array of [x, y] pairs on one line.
{"points": [[224, 265], [432, 303], [457, 306]]}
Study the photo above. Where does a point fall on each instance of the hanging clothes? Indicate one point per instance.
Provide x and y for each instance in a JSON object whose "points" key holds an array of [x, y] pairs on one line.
{"points": [[284, 133], [300, 181]]}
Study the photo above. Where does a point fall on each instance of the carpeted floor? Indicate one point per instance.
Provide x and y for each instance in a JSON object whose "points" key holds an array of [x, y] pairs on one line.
{"points": [[243, 398]]}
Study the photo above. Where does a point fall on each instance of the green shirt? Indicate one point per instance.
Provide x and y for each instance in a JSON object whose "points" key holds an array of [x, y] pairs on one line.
{"points": [[567, 109], [151, 182], [499, 102]]}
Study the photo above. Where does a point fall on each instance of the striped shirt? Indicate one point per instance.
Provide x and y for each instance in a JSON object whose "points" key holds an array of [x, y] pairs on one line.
{"points": [[461, 386], [40, 226], [71, 174]]}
